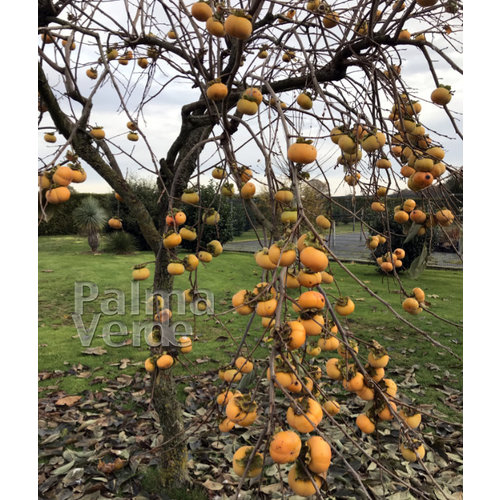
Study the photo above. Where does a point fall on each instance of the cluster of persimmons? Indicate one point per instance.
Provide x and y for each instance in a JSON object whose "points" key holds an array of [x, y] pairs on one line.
{"points": [[298, 267]]}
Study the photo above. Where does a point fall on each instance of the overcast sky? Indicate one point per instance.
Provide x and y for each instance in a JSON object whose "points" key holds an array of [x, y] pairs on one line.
{"points": [[163, 120]]}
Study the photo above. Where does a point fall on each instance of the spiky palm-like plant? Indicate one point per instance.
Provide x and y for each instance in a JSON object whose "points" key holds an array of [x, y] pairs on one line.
{"points": [[90, 218]]}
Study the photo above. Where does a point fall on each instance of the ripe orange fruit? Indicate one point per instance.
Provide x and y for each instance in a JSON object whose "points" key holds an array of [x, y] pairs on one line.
{"points": [[201, 11], [295, 334], [366, 393], [328, 344], [414, 452], [444, 217], [385, 414], [365, 424], [378, 361], [300, 483], [355, 383], [332, 369], [224, 397], [243, 365], [441, 95], [323, 222], [217, 91], [401, 217], [411, 305], [309, 407], [344, 306], [140, 273], [285, 447], [304, 101], [186, 344], [412, 419], [313, 325], [320, 454], [241, 459], [150, 365], [238, 26], [164, 361], [242, 410], [215, 27], [418, 216], [302, 152], [419, 295], [331, 407], [309, 279]]}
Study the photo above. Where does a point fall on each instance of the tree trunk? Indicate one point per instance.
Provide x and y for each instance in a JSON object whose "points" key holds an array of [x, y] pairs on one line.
{"points": [[173, 454], [173, 460], [93, 239]]}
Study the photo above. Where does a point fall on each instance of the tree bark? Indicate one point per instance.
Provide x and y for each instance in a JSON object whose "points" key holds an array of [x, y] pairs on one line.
{"points": [[93, 239], [173, 459]]}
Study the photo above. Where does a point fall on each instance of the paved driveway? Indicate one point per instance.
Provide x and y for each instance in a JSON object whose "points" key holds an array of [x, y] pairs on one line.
{"points": [[351, 246]]}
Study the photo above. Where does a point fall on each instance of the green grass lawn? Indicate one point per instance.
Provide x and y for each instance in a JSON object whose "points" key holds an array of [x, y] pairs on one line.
{"points": [[66, 260]]}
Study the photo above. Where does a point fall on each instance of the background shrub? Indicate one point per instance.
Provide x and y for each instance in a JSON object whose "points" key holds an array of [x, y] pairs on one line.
{"points": [[120, 242]]}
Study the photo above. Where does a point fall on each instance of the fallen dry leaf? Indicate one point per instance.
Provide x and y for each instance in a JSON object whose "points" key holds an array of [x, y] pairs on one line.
{"points": [[68, 400], [97, 351]]}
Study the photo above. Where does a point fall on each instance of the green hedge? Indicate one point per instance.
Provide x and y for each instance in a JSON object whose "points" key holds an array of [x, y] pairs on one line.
{"points": [[61, 219], [233, 218]]}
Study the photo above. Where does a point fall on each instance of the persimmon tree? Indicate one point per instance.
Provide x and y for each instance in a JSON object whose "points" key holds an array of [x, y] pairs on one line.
{"points": [[307, 90]]}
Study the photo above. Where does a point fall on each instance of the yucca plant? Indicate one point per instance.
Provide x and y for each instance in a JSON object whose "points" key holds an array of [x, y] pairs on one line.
{"points": [[90, 218]]}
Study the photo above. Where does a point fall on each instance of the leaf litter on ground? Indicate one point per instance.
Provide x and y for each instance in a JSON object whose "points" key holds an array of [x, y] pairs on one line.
{"points": [[101, 444]]}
